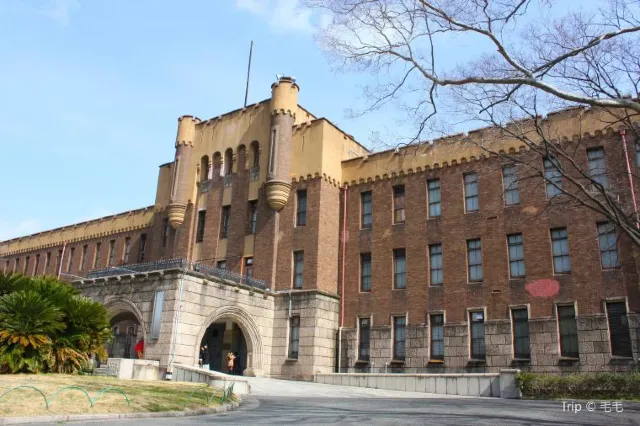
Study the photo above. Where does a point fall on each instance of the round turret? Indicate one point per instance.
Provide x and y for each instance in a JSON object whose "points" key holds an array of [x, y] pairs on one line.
{"points": [[182, 183]]}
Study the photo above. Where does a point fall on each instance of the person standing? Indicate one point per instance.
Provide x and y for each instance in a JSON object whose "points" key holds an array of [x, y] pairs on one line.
{"points": [[139, 348], [204, 357], [230, 362]]}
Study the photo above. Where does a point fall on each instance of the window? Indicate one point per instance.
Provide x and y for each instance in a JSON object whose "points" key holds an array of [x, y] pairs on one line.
{"points": [[619, 329], [255, 154], [47, 262], [248, 267], [72, 252], [597, 167], [301, 208], [298, 269], [568, 331], [434, 197], [520, 318], [83, 257], [26, 266], [96, 258], [477, 335], [16, 265], [398, 204], [516, 256], [470, 192], [510, 183], [365, 271], [35, 269], [112, 251], [202, 215], [221, 264], [365, 331], [224, 225], [253, 216], [608, 245], [435, 264], [366, 207], [59, 261], [143, 247], [399, 337], [553, 176], [474, 258], [294, 337], [272, 151], [127, 249], [165, 232], [560, 249], [399, 269], [436, 324]]}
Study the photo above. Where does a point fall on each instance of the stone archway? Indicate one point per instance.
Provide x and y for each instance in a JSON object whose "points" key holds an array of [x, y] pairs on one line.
{"points": [[127, 327], [250, 331]]}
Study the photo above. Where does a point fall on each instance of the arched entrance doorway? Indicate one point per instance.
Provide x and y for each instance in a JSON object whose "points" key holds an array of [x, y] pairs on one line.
{"points": [[222, 338], [234, 330], [126, 333]]}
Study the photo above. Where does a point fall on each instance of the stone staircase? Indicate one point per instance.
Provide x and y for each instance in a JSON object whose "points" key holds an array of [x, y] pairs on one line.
{"points": [[104, 370]]}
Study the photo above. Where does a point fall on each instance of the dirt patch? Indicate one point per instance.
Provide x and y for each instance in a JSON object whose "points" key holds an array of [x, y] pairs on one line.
{"points": [[144, 396]]}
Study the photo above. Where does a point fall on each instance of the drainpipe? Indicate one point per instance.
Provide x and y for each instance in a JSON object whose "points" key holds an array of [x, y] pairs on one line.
{"points": [[64, 246], [344, 243], [633, 192]]}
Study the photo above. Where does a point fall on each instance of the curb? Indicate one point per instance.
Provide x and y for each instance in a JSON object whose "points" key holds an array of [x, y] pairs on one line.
{"points": [[92, 417]]}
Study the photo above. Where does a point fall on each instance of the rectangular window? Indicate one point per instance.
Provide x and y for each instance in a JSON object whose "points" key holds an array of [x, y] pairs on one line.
{"points": [[96, 258], [248, 267], [568, 331], [59, 262], [510, 183], [365, 271], [35, 269], [143, 247], [294, 337], [253, 216], [436, 325], [471, 192], [560, 249], [301, 208], [516, 255], [16, 265], [165, 232], [221, 264], [521, 348], [399, 269], [47, 262], [597, 166], [607, 240], [26, 266], [435, 264], [477, 335], [127, 250], [112, 251], [224, 223], [202, 215], [398, 204], [298, 269], [619, 329], [553, 177], [366, 207], [83, 257], [365, 331], [72, 252], [399, 337], [434, 197], [474, 259]]}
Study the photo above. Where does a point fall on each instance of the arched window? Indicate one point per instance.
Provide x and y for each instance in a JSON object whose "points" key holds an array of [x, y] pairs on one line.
{"points": [[255, 154], [204, 168], [217, 164], [242, 158], [228, 162]]}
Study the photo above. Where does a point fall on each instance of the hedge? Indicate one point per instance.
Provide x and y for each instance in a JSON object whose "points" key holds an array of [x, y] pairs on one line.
{"points": [[580, 386]]}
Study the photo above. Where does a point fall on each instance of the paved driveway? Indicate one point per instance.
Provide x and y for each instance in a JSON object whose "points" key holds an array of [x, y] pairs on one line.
{"points": [[285, 402]]}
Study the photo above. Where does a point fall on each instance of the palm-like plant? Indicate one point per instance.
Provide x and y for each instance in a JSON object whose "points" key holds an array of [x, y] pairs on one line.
{"points": [[12, 282]]}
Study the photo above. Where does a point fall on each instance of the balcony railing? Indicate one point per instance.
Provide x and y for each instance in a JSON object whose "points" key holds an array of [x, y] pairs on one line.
{"points": [[183, 264]]}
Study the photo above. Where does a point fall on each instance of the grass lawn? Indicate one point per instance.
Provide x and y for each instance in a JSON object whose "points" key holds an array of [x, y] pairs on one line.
{"points": [[145, 396]]}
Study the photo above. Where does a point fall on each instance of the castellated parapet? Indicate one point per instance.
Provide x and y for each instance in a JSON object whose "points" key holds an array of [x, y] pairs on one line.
{"points": [[180, 184], [284, 102]]}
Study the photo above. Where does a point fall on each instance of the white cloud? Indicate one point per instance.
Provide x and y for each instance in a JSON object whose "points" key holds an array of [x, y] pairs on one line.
{"points": [[281, 15], [59, 10]]}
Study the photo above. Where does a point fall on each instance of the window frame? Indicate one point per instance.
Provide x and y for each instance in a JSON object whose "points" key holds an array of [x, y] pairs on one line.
{"points": [[202, 218], [225, 218], [553, 176], [431, 253], [363, 213], [362, 342], [515, 338], [96, 255], [72, 252], [477, 354], [468, 185], [476, 265], [83, 259], [517, 261], [610, 249], [431, 194], [143, 247], [560, 255], [571, 335], [596, 173], [432, 341], [397, 344], [127, 250], [298, 273], [301, 207], [617, 343], [399, 204], [366, 258], [247, 265], [399, 277], [253, 217], [112, 252], [294, 338], [510, 189]]}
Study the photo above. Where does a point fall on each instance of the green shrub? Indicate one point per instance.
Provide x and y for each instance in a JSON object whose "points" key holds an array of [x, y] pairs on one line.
{"points": [[580, 385]]}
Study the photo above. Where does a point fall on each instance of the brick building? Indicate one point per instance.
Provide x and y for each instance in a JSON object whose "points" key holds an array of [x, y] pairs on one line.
{"points": [[445, 258]]}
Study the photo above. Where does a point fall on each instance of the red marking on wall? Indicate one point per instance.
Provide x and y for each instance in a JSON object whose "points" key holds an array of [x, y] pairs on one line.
{"points": [[543, 288]]}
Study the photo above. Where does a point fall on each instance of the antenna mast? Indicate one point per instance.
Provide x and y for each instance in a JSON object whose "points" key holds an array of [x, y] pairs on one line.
{"points": [[246, 92]]}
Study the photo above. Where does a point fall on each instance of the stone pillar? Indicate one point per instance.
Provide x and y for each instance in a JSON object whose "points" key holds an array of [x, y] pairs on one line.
{"points": [[508, 384]]}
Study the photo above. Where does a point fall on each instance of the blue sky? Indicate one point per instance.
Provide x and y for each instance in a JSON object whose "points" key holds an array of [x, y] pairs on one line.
{"points": [[91, 92]]}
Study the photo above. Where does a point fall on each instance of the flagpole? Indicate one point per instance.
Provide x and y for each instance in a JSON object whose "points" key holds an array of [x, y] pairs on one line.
{"points": [[246, 92]]}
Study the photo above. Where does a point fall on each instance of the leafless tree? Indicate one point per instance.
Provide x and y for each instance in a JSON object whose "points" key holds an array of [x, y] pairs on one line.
{"points": [[537, 58]]}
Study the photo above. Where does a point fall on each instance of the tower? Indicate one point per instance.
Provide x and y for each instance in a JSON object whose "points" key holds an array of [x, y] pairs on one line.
{"points": [[284, 103], [182, 180]]}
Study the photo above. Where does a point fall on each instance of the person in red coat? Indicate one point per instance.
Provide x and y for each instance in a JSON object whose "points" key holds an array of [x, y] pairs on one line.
{"points": [[140, 348]]}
